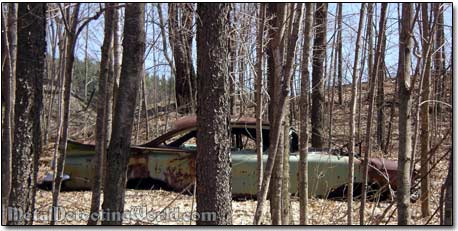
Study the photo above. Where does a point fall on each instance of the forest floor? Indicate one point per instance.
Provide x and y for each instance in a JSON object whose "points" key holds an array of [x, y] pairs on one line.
{"points": [[321, 211]]}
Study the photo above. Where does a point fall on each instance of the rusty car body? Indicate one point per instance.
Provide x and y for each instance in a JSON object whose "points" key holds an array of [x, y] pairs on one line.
{"points": [[169, 162]]}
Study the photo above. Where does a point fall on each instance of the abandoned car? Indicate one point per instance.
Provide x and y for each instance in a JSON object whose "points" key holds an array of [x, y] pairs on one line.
{"points": [[169, 162]]}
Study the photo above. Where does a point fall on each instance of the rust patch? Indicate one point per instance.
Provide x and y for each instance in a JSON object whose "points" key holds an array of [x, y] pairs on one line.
{"points": [[181, 172], [138, 167], [383, 171]]}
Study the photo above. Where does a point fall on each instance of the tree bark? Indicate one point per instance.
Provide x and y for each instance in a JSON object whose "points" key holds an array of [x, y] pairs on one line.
{"points": [[448, 213], [439, 57], [9, 31], [339, 52], [102, 114], [63, 120], [232, 61], [372, 84], [241, 58], [296, 12], [405, 104], [259, 101], [119, 147], [117, 56], [424, 112], [318, 72], [274, 58], [285, 198], [145, 104], [279, 79], [332, 75], [381, 99], [304, 106], [29, 96], [214, 191], [55, 30], [354, 95], [180, 36]]}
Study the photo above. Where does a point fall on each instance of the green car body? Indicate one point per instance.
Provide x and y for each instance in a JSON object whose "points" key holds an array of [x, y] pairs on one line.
{"points": [[169, 162]]}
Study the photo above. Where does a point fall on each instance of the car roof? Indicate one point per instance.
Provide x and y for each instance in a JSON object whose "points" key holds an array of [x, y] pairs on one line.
{"points": [[183, 124], [190, 122]]}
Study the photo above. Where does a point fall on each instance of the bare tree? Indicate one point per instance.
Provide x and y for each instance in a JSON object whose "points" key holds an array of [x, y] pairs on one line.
{"points": [[280, 62], [293, 35], [354, 95], [277, 27], [304, 106], [318, 72], [372, 84], [119, 147], [448, 213], [102, 113], [180, 36], [214, 191], [9, 36], [259, 101], [285, 198], [290, 17], [424, 110], [439, 60], [8, 67], [339, 52], [380, 100], [405, 105], [28, 106], [61, 144], [117, 56], [72, 31], [232, 59]]}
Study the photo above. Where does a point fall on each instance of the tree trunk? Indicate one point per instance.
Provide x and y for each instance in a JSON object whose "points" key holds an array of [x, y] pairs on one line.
{"points": [[292, 14], [279, 79], [242, 59], [180, 36], [12, 38], [63, 120], [405, 104], [7, 105], [354, 95], [29, 95], [439, 57], [372, 84], [275, 47], [119, 147], [232, 61], [102, 114], [164, 39], [296, 11], [381, 99], [259, 102], [145, 104], [332, 75], [318, 72], [55, 30], [277, 182], [304, 106], [448, 213], [424, 112], [285, 199], [213, 116], [117, 56], [339, 52]]}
